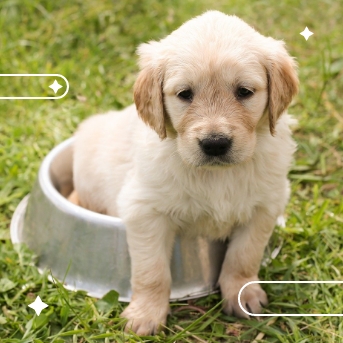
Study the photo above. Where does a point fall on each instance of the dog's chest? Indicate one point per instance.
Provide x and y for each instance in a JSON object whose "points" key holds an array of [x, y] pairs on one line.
{"points": [[212, 207]]}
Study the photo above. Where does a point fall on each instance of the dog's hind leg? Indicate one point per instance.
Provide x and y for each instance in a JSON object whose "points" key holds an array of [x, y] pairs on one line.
{"points": [[74, 198]]}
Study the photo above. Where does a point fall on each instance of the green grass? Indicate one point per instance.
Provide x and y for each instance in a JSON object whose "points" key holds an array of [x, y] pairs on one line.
{"points": [[93, 44]]}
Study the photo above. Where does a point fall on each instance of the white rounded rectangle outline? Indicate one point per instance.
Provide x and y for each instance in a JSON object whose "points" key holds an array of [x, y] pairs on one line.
{"points": [[36, 97], [288, 314]]}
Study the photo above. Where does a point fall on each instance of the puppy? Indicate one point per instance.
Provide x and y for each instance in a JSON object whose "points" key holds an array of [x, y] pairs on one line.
{"points": [[205, 150]]}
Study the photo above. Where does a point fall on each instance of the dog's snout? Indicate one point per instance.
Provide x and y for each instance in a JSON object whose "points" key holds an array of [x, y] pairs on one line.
{"points": [[215, 146]]}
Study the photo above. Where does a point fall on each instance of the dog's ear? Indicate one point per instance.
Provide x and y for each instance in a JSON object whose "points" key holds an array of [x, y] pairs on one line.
{"points": [[283, 81], [148, 95]]}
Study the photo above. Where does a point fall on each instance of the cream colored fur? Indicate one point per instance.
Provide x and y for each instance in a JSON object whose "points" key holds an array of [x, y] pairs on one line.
{"points": [[144, 164]]}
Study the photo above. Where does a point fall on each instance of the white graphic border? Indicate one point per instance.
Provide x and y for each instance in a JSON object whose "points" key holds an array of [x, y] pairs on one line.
{"points": [[288, 314], [36, 97]]}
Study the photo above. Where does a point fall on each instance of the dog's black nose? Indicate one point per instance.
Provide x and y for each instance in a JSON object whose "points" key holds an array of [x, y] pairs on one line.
{"points": [[215, 146]]}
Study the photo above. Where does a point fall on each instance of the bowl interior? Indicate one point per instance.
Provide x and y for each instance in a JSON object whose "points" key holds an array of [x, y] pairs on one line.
{"points": [[61, 171]]}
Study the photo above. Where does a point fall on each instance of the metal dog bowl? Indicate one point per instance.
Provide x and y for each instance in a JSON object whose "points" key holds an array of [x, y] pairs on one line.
{"points": [[88, 250]]}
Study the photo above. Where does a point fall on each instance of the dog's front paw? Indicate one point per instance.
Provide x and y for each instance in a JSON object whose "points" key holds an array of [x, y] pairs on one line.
{"points": [[144, 317], [253, 297]]}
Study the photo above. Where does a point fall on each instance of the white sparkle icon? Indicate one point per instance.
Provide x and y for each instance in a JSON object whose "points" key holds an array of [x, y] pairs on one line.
{"points": [[55, 86], [38, 305], [306, 33]]}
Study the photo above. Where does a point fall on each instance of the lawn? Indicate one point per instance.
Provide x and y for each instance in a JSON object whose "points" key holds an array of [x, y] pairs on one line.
{"points": [[93, 44]]}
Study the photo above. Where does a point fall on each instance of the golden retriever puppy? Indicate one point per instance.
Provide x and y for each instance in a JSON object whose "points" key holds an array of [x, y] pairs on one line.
{"points": [[205, 150]]}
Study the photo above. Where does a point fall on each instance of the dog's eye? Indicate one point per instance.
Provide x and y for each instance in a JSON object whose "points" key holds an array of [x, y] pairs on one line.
{"points": [[186, 95], [243, 92]]}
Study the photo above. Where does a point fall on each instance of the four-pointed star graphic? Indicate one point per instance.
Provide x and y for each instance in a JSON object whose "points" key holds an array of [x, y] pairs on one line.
{"points": [[306, 33], [55, 86], [38, 305]]}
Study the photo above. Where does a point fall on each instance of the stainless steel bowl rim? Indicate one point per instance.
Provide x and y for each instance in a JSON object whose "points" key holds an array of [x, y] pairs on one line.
{"points": [[61, 202]]}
